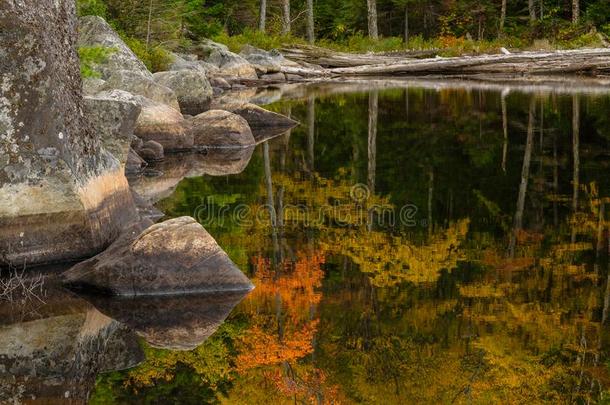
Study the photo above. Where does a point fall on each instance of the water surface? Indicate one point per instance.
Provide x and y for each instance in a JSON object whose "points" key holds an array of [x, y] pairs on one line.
{"points": [[413, 245]]}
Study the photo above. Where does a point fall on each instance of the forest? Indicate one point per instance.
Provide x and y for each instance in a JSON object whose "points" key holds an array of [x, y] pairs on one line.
{"points": [[460, 26]]}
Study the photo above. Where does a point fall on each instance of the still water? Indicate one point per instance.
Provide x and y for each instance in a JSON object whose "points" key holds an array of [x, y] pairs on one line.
{"points": [[417, 245]]}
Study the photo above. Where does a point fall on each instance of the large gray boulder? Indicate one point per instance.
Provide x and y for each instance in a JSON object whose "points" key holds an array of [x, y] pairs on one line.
{"points": [[264, 124], [229, 63], [190, 62], [163, 124], [95, 31], [174, 257], [135, 83], [63, 196], [191, 87], [264, 62], [220, 129]]}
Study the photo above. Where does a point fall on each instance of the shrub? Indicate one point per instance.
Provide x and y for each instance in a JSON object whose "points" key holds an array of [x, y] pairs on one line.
{"points": [[155, 58], [90, 57]]}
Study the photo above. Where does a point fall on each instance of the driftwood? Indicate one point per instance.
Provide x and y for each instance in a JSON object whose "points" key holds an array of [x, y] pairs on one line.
{"points": [[583, 61], [330, 59]]}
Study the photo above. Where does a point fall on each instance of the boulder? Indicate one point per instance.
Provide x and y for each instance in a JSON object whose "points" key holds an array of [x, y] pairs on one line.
{"points": [[164, 125], [114, 120], [220, 129], [174, 257], [264, 62], [157, 122], [93, 85], [191, 87], [190, 62], [63, 196], [137, 84], [135, 164], [219, 82], [264, 124], [229, 63], [151, 151], [95, 31]]}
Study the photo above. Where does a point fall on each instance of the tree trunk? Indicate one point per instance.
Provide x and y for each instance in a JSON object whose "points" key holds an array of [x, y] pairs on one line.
{"points": [[575, 11], [525, 174], [148, 27], [372, 17], [311, 34], [262, 24], [502, 17], [532, 10], [286, 22], [407, 25]]}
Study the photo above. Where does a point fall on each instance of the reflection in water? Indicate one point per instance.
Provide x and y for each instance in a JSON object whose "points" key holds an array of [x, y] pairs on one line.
{"points": [[402, 292], [356, 303]]}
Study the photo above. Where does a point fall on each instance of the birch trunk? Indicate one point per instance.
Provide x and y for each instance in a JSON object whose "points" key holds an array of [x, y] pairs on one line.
{"points": [[311, 35], [262, 24], [575, 11], [372, 17], [286, 22]]}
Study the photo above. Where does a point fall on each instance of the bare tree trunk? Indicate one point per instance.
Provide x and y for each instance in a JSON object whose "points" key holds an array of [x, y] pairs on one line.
{"points": [[525, 174], [532, 10], [311, 34], [576, 155], [575, 11], [286, 22], [148, 28], [407, 25], [372, 16], [262, 23], [502, 17], [541, 9]]}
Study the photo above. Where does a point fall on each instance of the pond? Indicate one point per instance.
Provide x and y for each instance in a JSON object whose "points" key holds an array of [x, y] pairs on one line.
{"points": [[408, 243]]}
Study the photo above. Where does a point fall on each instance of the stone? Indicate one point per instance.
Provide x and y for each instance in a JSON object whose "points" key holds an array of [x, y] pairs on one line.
{"points": [[163, 124], [191, 88], [151, 151], [264, 124], [220, 129], [229, 63], [137, 84], [93, 85], [219, 82], [264, 62], [181, 63], [95, 31], [173, 257], [135, 164], [63, 196], [294, 78], [114, 121]]}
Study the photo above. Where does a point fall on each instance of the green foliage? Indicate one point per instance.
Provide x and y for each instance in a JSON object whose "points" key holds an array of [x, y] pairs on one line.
{"points": [[91, 7], [155, 58], [90, 56], [258, 39]]}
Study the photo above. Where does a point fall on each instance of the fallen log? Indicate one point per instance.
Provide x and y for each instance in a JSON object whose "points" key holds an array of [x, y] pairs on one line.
{"points": [[583, 61], [331, 59]]}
